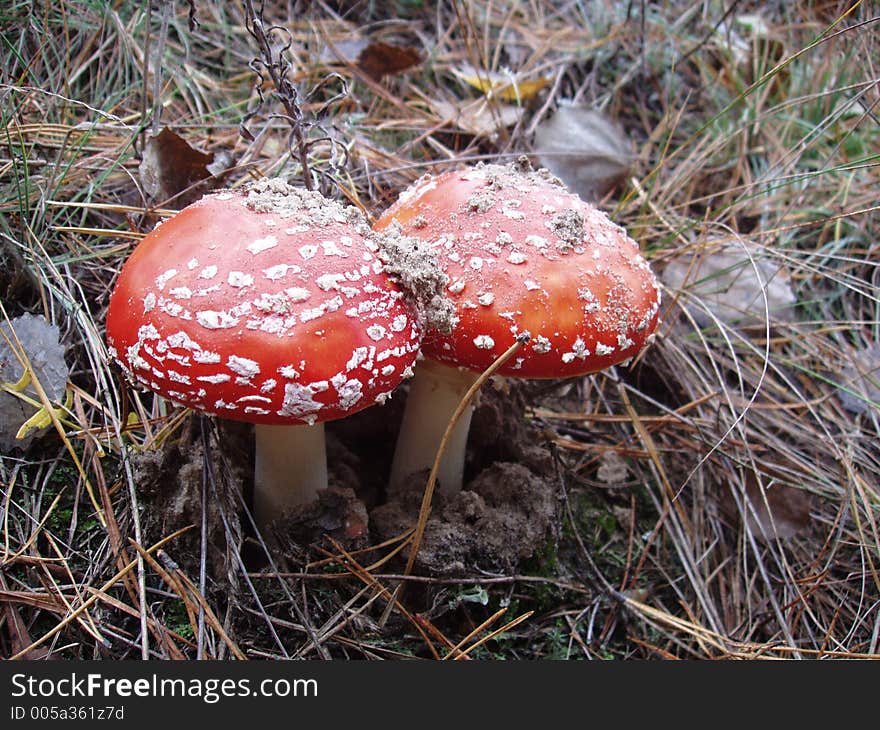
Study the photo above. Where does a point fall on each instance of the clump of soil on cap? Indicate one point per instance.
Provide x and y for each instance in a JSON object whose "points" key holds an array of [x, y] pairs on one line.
{"points": [[413, 265], [522, 168], [273, 195], [568, 226]]}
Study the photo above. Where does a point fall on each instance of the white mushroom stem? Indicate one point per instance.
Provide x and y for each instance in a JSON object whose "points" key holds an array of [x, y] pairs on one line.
{"points": [[434, 393], [290, 468]]}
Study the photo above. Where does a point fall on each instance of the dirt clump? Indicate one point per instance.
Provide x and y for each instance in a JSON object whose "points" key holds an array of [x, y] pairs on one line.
{"points": [[502, 517], [171, 481], [338, 513]]}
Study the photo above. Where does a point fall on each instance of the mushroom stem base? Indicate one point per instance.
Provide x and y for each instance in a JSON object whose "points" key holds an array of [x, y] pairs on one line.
{"points": [[290, 468], [434, 393]]}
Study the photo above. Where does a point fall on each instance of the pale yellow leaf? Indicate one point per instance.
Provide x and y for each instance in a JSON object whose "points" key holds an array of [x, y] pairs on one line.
{"points": [[504, 85]]}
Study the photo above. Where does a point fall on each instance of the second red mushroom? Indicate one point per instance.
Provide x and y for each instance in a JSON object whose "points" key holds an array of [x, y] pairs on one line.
{"points": [[523, 255]]}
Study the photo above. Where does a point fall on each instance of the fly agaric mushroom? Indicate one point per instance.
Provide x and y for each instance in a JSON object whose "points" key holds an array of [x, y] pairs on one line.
{"points": [[523, 256], [268, 306]]}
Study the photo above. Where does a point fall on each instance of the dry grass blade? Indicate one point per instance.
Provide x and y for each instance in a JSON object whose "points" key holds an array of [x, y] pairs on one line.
{"points": [[74, 615], [457, 652], [390, 596]]}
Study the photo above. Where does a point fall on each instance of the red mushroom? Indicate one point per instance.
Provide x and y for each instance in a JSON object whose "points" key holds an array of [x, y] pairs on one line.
{"points": [[523, 255], [268, 306]]}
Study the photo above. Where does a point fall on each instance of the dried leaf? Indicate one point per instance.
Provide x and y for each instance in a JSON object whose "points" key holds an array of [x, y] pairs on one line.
{"points": [[729, 284], [504, 85], [479, 117], [41, 346], [170, 165], [859, 390], [585, 149], [383, 59], [772, 511], [612, 470]]}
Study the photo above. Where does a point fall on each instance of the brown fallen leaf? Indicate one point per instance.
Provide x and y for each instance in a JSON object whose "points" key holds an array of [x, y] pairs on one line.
{"points": [[736, 284], [585, 149], [170, 166], [772, 511], [380, 59]]}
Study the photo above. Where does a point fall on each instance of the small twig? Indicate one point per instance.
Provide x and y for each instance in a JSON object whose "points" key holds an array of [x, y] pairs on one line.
{"points": [[273, 61]]}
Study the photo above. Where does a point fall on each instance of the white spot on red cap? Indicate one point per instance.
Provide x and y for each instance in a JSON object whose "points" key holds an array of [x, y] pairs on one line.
{"points": [[147, 332], [215, 379], [240, 279], [206, 357], [279, 271], [207, 291], [484, 342], [182, 341], [289, 372], [542, 345], [350, 393], [243, 366], [376, 332], [331, 249], [164, 278], [262, 244], [299, 401], [298, 294], [254, 399], [178, 377], [398, 324], [329, 281], [538, 242], [214, 320], [173, 309]]}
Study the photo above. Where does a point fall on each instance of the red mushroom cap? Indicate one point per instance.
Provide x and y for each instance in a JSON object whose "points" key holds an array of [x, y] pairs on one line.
{"points": [[269, 307], [524, 255]]}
